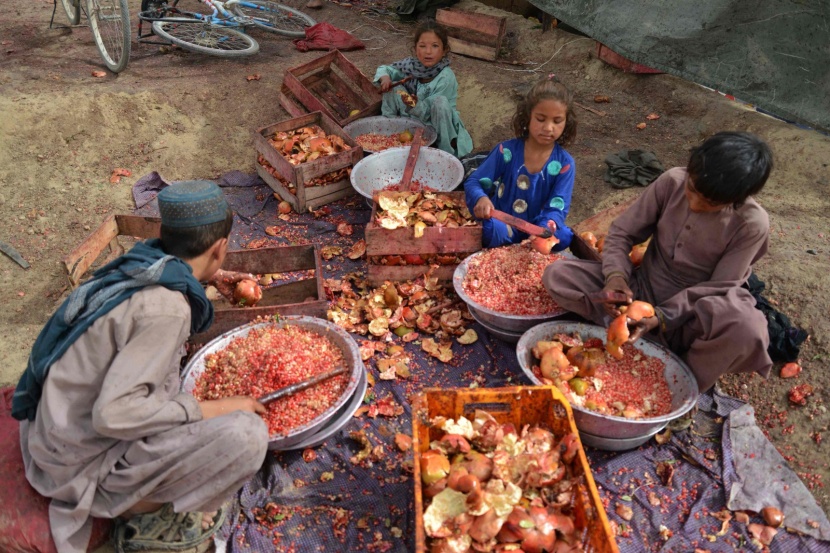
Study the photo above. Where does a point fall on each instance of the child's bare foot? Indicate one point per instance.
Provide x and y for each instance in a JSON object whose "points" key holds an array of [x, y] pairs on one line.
{"points": [[208, 520]]}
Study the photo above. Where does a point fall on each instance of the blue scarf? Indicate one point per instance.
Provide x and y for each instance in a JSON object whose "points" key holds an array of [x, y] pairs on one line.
{"points": [[144, 265]]}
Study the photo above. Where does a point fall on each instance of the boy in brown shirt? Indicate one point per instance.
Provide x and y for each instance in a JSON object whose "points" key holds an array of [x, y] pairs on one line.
{"points": [[105, 431], [706, 233]]}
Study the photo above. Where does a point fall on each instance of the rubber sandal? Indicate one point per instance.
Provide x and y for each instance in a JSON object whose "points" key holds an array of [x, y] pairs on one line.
{"points": [[165, 530]]}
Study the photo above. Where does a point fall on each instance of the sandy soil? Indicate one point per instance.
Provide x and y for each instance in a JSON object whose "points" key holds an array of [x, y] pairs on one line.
{"points": [[190, 116]]}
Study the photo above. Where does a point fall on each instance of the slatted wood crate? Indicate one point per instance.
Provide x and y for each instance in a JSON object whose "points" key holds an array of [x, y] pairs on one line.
{"points": [[301, 295], [290, 182], [599, 225], [331, 84], [520, 405], [408, 253], [473, 34], [103, 244]]}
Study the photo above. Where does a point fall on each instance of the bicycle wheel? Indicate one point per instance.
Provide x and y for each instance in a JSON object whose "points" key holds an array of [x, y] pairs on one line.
{"points": [[110, 24], [274, 17], [206, 38], [73, 10]]}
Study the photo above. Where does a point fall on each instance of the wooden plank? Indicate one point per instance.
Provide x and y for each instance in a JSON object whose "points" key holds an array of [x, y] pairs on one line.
{"points": [[290, 103], [358, 77], [324, 92], [458, 46], [487, 25], [235, 317], [290, 292], [82, 257], [305, 96], [276, 259], [279, 188], [323, 61], [435, 240], [377, 274], [315, 192], [140, 227], [327, 199], [337, 83], [601, 222]]}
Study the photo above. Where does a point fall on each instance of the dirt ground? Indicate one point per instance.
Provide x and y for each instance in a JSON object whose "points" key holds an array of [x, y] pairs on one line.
{"points": [[191, 116]]}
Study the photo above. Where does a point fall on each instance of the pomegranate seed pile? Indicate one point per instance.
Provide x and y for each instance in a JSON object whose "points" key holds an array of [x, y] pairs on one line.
{"points": [[509, 280], [375, 142], [270, 358]]}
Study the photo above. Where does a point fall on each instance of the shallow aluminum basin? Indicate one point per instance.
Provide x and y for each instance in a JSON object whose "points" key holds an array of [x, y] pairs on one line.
{"points": [[681, 381], [507, 324], [435, 168], [390, 126], [337, 335]]}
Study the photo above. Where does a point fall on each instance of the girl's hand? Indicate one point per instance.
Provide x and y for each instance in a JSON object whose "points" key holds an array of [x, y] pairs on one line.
{"points": [[642, 327], [482, 208], [218, 407], [618, 285], [385, 83]]}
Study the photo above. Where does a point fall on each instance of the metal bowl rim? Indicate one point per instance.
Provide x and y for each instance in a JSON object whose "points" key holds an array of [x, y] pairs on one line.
{"points": [[315, 324], [403, 153], [458, 280], [687, 404], [428, 141]]}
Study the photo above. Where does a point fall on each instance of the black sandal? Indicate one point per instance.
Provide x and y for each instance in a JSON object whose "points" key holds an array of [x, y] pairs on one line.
{"points": [[164, 530]]}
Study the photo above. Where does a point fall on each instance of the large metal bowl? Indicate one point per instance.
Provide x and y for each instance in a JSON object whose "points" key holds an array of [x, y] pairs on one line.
{"points": [[337, 335], [681, 381], [510, 324], [435, 168], [389, 126]]}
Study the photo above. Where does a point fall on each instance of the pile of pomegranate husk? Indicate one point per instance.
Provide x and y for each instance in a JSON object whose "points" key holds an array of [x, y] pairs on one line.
{"points": [[322, 180], [490, 487], [307, 144], [422, 209], [573, 366], [596, 243], [403, 308]]}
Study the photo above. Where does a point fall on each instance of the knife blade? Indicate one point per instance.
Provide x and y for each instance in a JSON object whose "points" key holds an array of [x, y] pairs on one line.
{"points": [[299, 386], [520, 224], [7, 249]]}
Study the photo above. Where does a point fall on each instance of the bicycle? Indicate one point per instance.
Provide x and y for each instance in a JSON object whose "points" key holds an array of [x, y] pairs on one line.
{"points": [[220, 32], [109, 21]]}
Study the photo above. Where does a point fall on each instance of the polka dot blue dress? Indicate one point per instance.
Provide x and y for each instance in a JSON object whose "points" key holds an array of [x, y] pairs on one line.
{"points": [[534, 197]]}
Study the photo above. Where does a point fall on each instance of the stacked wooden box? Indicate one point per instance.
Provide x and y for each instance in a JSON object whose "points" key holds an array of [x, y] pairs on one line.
{"points": [[291, 182], [473, 34]]}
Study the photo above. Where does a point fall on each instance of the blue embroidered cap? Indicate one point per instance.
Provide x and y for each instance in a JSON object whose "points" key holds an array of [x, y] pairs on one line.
{"points": [[192, 204]]}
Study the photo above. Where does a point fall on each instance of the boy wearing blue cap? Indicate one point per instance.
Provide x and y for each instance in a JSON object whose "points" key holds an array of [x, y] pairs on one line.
{"points": [[105, 431]]}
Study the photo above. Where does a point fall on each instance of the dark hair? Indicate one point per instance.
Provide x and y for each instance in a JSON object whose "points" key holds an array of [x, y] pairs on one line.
{"points": [[549, 88], [730, 166], [430, 26], [191, 242]]}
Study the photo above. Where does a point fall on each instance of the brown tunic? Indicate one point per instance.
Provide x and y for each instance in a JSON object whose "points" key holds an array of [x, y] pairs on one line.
{"points": [[113, 429], [692, 273]]}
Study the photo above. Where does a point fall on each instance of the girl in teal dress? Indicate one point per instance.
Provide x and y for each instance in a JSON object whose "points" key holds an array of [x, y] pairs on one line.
{"points": [[430, 92]]}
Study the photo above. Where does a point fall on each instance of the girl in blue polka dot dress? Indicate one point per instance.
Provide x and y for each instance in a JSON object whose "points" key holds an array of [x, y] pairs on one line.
{"points": [[530, 176]]}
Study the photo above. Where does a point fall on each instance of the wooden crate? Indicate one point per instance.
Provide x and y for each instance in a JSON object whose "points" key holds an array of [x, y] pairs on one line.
{"points": [[520, 405], [402, 241], [306, 196], [300, 297], [104, 241], [334, 85], [599, 225], [290, 103], [473, 34]]}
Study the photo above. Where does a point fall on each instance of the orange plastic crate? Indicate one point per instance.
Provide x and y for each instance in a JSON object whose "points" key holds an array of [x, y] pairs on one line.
{"points": [[520, 405]]}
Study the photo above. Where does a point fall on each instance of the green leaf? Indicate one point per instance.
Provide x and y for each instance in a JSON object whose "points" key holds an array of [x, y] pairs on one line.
{"points": [[625, 497], [526, 524]]}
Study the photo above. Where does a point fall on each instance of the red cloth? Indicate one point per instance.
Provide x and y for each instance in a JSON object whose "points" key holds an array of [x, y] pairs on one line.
{"points": [[24, 513], [325, 36]]}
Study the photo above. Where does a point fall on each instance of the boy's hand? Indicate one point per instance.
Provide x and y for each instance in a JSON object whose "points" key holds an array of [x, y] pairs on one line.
{"points": [[225, 281], [385, 83], [640, 328], [217, 407], [618, 285], [482, 208]]}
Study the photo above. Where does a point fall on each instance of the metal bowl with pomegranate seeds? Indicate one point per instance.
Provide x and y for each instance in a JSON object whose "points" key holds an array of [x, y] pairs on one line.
{"points": [[389, 127], [611, 432], [322, 425], [435, 169], [505, 326]]}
